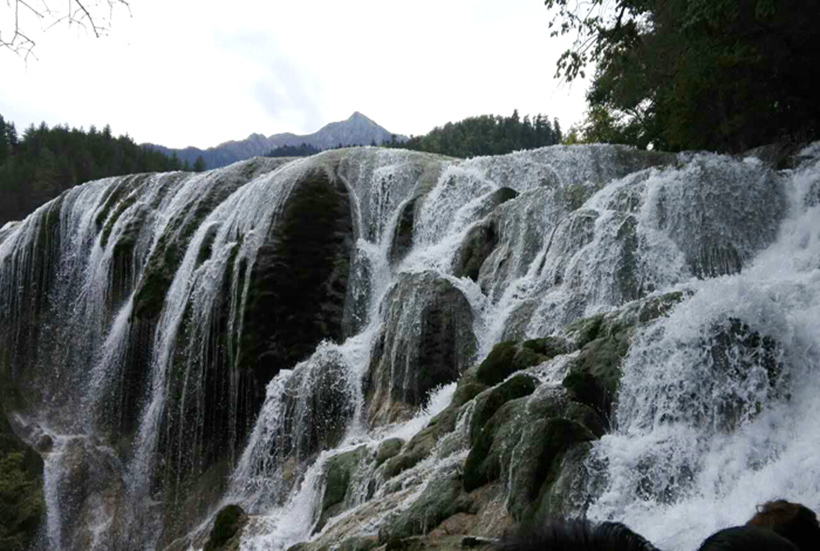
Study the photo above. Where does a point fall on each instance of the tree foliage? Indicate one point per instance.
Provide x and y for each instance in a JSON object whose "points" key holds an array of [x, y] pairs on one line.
{"points": [[48, 161], [486, 135], [722, 75], [302, 150]]}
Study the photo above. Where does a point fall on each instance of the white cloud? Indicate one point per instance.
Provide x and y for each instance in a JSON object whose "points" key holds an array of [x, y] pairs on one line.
{"points": [[199, 72]]}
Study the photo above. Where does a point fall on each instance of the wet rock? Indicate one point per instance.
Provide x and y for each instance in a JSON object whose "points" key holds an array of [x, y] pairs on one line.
{"points": [[482, 238], [527, 436], [746, 372], [594, 376], [489, 401], [340, 468], [318, 407], [508, 357], [365, 543], [476, 247], [403, 234], [298, 283], [441, 499], [426, 341], [564, 494], [388, 449], [227, 529], [720, 213]]}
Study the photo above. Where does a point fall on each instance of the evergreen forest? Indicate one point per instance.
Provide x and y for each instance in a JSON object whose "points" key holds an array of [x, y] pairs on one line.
{"points": [[486, 135], [43, 162]]}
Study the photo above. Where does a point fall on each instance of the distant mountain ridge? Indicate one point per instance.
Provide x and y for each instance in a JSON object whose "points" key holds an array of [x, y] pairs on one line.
{"points": [[356, 130]]}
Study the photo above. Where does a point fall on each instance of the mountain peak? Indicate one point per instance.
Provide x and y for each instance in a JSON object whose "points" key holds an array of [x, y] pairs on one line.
{"points": [[358, 116]]}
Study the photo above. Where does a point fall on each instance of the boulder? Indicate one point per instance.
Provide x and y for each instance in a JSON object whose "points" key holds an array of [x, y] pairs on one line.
{"points": [[426, 341], [509, 356], [227, 529], [298, 284]]}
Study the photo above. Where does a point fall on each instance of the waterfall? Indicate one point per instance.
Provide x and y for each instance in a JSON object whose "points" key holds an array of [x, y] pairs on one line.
{"points": [[301, 338]]}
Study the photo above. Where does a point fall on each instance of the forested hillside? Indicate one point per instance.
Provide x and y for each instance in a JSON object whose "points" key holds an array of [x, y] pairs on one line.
{"points": [[44, 162], [486, 135]]}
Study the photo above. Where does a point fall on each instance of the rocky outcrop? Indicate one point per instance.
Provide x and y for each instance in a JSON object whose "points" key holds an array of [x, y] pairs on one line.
{"points": [[338, 472], [526, 439], [227, 529], [318, 408], [298, 284], [426, 341]]}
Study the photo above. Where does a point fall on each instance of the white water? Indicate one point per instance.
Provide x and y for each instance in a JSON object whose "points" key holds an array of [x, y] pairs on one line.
{"points": [[637, 232], [772, 455]]}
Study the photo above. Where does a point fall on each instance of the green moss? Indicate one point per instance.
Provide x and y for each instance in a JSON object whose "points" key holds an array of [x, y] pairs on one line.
{"points": [[440, 500], [109, 226], [113, 196], [548, 346], [509, 356], [388, 449], [477, 469], [659, 306], [490, 401], [228, 522], [340, 469], [540, 462], [586, 329]]}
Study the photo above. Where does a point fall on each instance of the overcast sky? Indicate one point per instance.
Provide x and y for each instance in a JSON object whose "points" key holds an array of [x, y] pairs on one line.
{"points": [[201, 72]]}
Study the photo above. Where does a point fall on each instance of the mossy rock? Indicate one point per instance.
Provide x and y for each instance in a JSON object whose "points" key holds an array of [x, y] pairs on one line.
{"points": [[488, 402], [419, 447], [562, 493], [586, 330], [656, 307], [388, 449], [479, 467], [477, 245], [441, 499], [426, 341], [423, 442], [538, 460], [511, 426], [364, 543], [403, 234], [227, 526], [339, 471], [595, 375], [510, 356], [299, 281]]}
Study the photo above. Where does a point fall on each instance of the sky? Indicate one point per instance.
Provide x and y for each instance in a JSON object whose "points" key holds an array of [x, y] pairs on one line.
{"points": [[201, 72]]}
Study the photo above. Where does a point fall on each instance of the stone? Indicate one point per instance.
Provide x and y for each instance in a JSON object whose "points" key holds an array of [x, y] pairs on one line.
{"points": [[388, 449], [510, 356], [426, 341], [441, 499], [227, 528], [488, 402], [338, 472]]}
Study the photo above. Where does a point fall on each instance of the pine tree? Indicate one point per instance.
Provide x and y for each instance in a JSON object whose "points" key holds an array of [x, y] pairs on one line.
{"points": [[199, 164]]}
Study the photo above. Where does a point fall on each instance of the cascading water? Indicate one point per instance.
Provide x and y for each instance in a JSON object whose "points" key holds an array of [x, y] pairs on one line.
{"points": [[256, 334]]}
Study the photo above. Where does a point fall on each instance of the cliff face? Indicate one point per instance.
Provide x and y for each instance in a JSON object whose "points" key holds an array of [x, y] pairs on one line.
{"points": [[372, 345]]}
